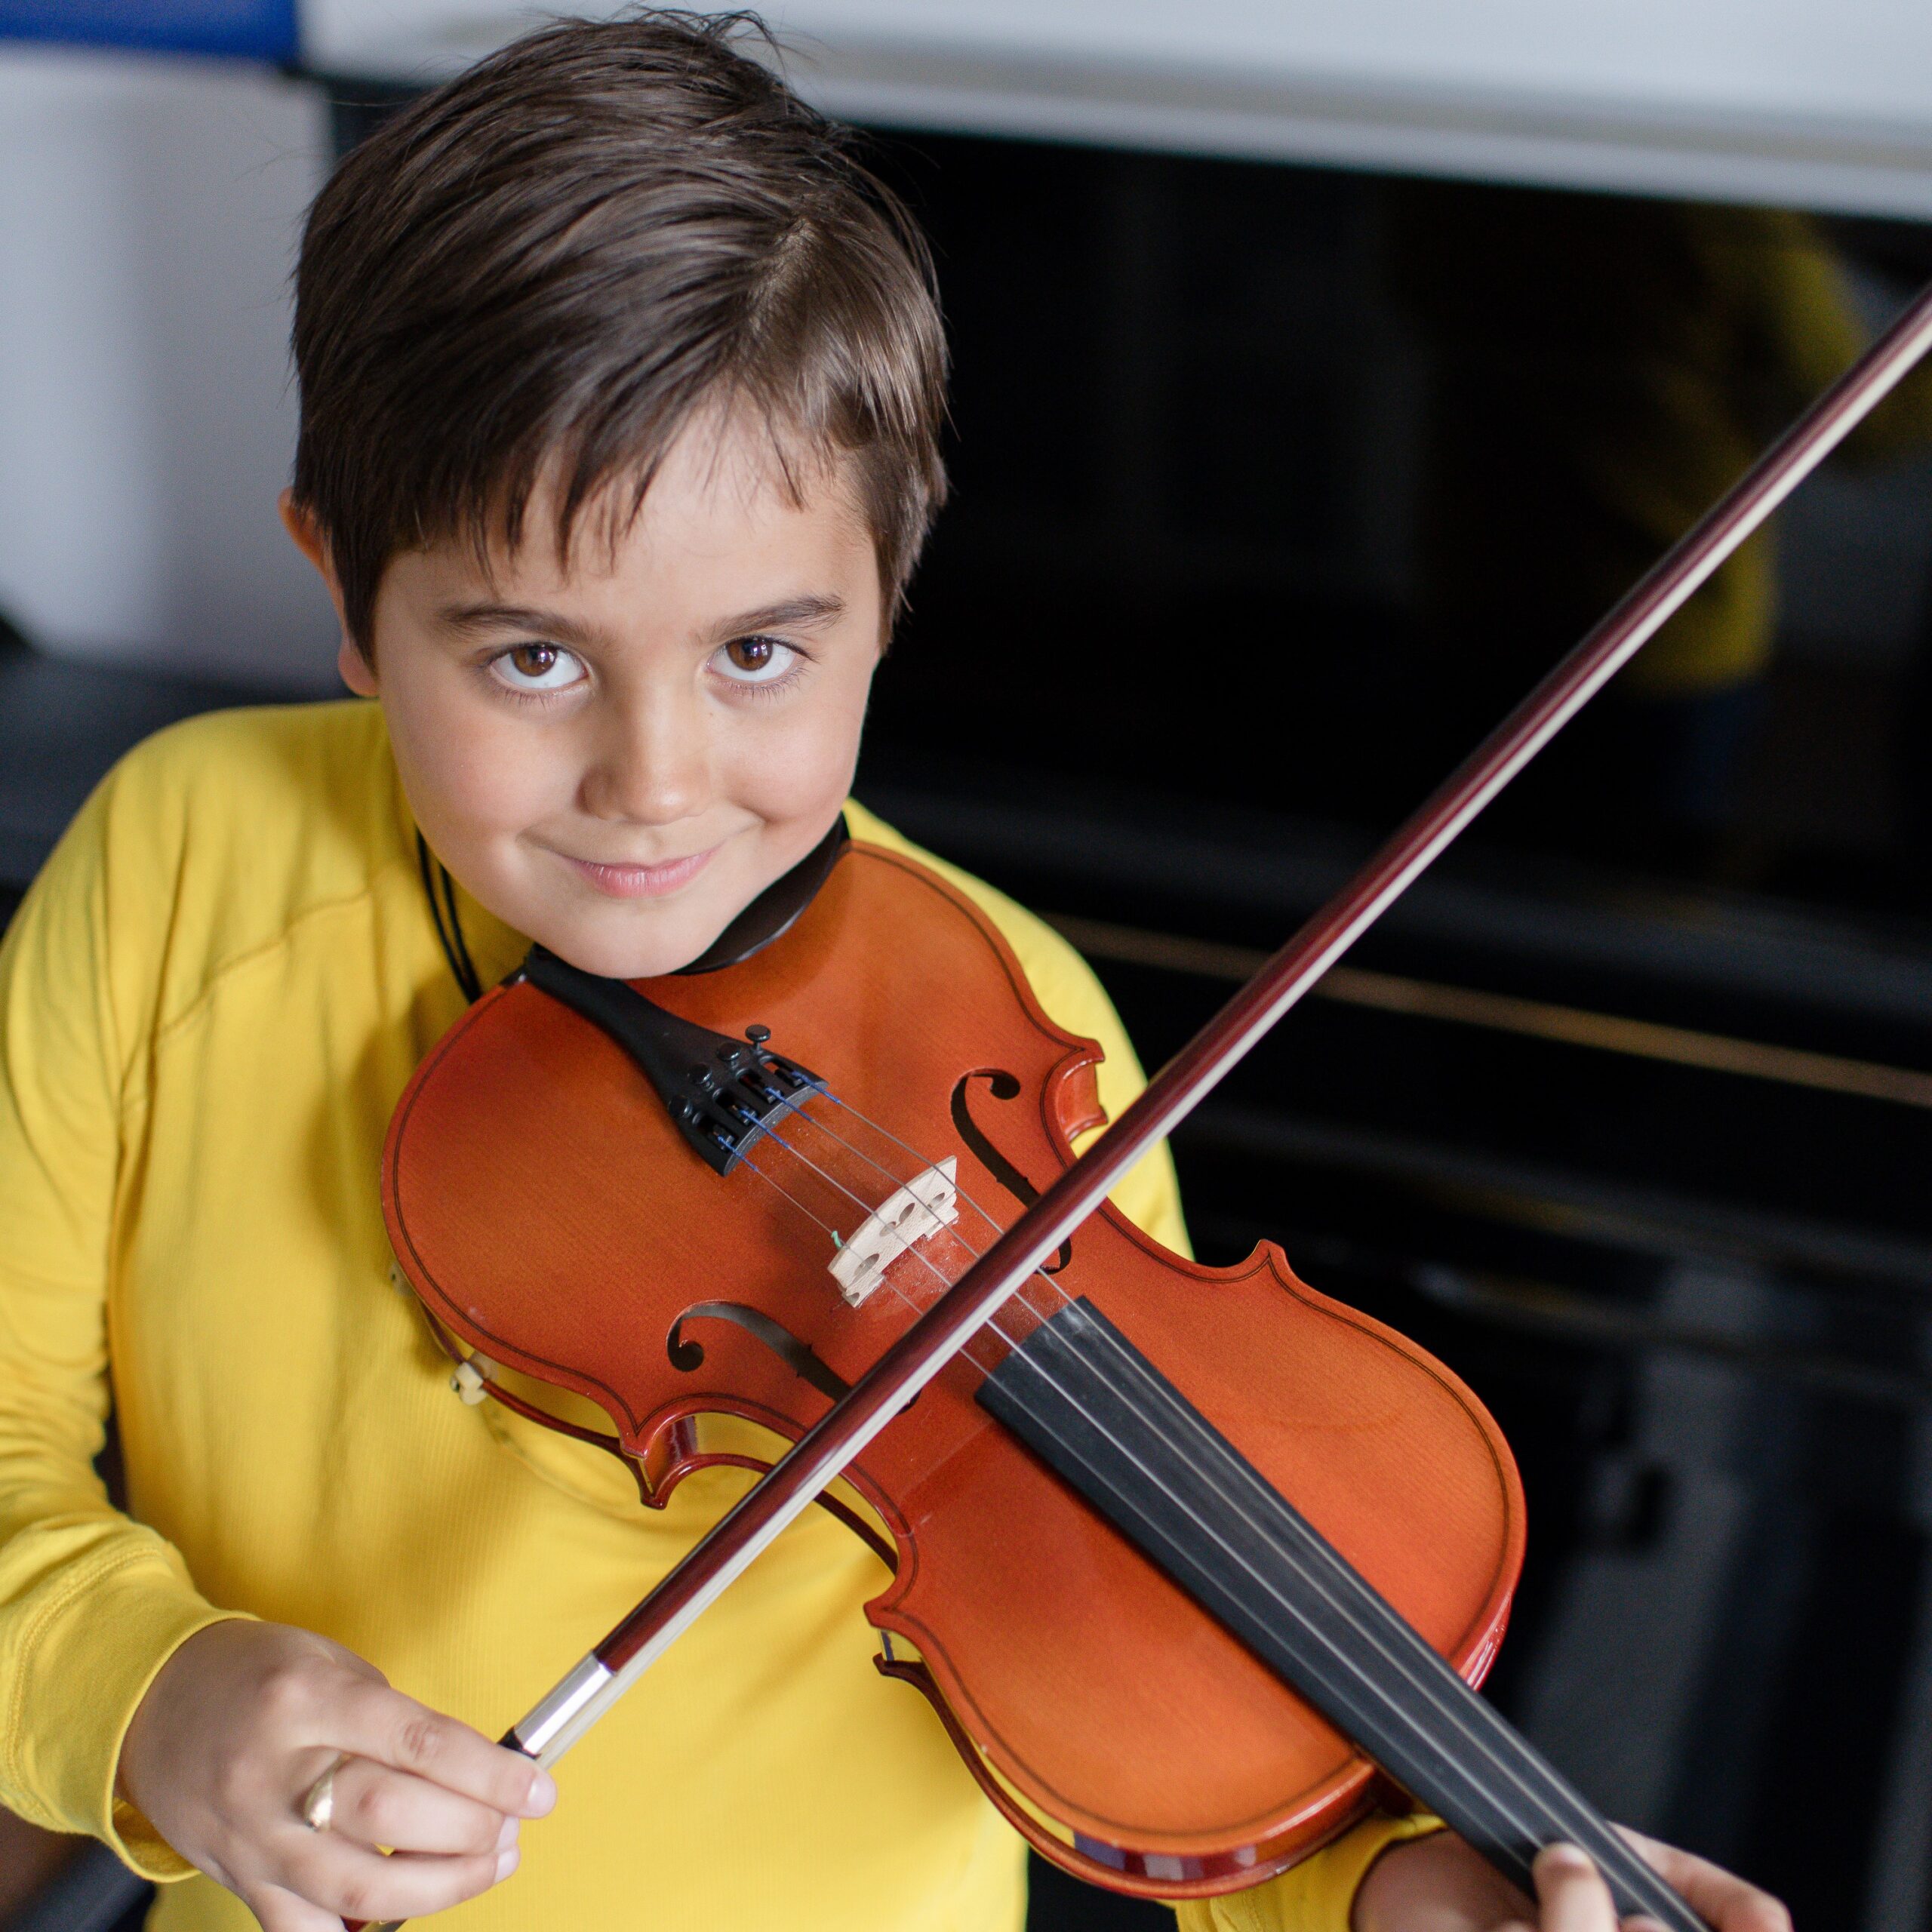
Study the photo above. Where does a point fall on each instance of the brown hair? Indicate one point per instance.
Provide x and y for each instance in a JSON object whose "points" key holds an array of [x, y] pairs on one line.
{"points": [[568, 252]]}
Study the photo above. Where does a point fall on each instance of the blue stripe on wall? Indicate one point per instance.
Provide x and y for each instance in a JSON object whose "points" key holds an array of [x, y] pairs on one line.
{"points": [[260, 29]]}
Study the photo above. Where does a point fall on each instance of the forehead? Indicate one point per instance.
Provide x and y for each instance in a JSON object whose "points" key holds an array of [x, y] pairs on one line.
{"points": [[730, 497]]}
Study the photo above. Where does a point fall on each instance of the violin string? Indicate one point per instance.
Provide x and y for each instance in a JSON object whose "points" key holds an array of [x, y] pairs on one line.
{"points": [[1315, 1582], [945, 1281], [772, 1181], [1317, 1589], [885, 1276], [960, 1194], [851, 1146], [886, 1133], [769, 1132], [1060, 1299], [1397, 1665], [779, 1187], [1195, 1423], [1196, 1426]]}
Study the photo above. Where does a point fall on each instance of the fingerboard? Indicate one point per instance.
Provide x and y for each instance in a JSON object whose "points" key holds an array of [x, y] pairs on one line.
{"points": [[1098, 1412]]}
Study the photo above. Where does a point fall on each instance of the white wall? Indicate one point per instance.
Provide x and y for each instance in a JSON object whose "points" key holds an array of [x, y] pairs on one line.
{"points": [[1865, 58], [148, 210], [1819, 104]]}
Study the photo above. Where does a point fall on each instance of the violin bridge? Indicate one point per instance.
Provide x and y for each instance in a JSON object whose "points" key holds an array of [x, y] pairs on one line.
{"points": [[927, 1203]]}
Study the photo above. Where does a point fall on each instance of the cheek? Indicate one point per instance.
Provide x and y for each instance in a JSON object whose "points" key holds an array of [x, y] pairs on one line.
{"points": [[799, 765], [475, 774]]}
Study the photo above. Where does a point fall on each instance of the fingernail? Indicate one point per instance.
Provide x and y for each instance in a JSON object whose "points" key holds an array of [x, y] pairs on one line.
{"points": [[507, 1862], [1567, 1856], [542, 1795], [507, 1836]]}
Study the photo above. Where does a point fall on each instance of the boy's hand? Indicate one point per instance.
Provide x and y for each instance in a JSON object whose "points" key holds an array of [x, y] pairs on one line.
{"points": [[1438, 1884], [245, 1718]]}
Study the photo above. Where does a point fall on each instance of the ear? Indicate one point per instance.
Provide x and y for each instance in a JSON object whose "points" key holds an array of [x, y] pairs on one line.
{"points": [[358, 673], [355, 670]]}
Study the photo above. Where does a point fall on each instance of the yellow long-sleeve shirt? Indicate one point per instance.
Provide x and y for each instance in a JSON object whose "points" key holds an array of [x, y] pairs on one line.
{"points": [[209, 1003]]}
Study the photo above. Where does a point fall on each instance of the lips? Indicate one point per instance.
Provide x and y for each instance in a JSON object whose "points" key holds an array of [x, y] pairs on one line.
{"points": [[628, 881]]}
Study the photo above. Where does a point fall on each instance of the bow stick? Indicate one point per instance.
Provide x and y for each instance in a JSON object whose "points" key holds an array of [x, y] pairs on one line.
{"points": [[824, 1451]]}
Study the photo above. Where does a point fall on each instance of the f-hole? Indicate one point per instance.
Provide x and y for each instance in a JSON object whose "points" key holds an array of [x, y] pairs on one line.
{"points": [[687, 1356], [1005, 1087]]}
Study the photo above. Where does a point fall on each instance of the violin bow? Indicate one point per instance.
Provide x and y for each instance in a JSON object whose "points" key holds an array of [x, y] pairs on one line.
{"points": [[839, 1436]]}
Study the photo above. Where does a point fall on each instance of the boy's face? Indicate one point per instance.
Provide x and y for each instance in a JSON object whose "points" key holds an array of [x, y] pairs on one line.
{"points": [[616, 754]]}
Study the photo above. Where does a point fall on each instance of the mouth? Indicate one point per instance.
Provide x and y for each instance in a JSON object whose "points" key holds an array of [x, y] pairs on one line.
{"points": [[625, 882]]}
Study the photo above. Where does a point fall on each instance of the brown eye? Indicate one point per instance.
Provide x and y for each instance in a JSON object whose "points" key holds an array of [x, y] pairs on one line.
{"points": [[537, 667], [756, 660]]}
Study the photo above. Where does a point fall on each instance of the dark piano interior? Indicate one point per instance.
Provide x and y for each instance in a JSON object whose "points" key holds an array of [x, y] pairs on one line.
{"points": [[1626, 1112]]}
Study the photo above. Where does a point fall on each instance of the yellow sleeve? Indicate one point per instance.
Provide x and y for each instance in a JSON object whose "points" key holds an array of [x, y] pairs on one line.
{"points": [[1315, 1896], [91, 1604]]}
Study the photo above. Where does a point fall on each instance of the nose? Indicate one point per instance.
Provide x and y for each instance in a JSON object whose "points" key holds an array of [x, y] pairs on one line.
{"points": [[651, 762]]}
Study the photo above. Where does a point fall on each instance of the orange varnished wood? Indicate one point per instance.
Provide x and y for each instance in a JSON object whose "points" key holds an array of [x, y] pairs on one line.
{"points": [[544, 1209]]}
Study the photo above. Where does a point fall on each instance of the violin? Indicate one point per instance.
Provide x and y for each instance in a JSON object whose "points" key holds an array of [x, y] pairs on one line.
{"points": [[1193, 1564], [694, 1264]]}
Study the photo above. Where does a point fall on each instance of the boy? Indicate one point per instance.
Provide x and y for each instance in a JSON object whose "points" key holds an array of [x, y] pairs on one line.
{"points": [[620, 388]]}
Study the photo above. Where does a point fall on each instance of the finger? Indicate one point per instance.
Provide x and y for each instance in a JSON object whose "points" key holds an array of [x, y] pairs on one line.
{"points": [[280, 1911], [1722, 1898], [375, 1806], [1571, 1893], [396, 1731], [352, 1881]]}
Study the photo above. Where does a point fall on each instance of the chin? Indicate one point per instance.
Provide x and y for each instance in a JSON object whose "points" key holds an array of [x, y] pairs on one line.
{"points": [[623, 955]]}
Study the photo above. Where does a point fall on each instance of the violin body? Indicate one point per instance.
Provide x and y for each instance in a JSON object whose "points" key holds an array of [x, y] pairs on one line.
{"points": [[544, 1207]]}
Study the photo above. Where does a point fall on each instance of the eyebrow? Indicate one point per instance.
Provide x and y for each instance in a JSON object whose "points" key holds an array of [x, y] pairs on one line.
{"points": [[811, 610], [808, 611], [513, 618]]}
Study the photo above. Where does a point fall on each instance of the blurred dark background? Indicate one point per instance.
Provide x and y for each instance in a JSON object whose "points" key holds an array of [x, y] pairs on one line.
{"points": [[1274, 486]]}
